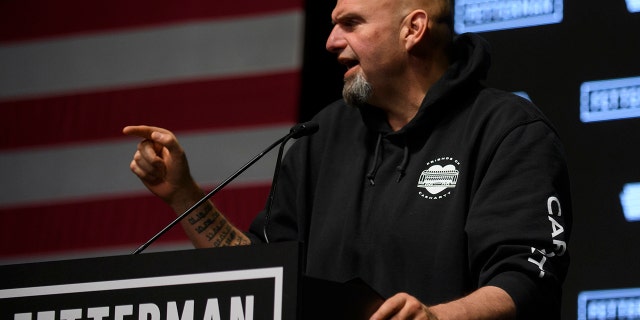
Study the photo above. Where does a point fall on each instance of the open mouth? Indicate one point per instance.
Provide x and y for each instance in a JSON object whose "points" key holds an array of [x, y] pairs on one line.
{"points": [[349, 63]]}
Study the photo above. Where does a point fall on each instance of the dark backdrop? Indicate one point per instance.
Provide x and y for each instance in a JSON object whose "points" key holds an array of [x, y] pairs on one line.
{"points": [[596, 40]]}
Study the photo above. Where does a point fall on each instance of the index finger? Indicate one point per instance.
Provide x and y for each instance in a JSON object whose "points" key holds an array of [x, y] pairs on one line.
{"points": [[158, 135], [142, 131]]}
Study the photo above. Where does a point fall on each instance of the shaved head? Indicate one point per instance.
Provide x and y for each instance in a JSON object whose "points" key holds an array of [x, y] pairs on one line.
{"points": [[438, 10]]}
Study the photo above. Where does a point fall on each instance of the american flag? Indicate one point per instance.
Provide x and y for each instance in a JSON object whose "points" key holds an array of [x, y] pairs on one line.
{"points": [[223, 75]]}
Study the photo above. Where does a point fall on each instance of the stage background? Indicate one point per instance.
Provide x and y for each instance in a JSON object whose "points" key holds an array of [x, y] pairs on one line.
{"points": [[229, 77]]}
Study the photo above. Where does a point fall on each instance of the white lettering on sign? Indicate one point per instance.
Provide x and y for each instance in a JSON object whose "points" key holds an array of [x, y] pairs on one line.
{"points": [[150, 311]]}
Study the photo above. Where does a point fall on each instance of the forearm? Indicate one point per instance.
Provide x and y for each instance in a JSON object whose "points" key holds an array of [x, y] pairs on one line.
{"points": [[206, 226], [484, 303]]}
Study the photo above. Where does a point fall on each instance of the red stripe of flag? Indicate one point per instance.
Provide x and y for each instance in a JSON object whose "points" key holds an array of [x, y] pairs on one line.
{"points": [[104, 223], [214, 104], [80, 117], [30, 19]]}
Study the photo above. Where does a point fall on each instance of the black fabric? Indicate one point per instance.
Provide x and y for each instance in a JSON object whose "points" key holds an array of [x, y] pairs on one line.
{"points": [[484, 198]]}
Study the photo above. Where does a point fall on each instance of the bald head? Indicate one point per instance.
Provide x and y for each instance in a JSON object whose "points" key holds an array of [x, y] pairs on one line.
{"points": [[440, 20], [439, 11]]}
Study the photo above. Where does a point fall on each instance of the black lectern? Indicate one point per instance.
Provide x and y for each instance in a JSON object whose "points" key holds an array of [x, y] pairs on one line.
{"points": [[238, 283]]}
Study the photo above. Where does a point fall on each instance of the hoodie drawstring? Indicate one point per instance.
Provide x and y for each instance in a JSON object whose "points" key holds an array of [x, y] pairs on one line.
{"points": [[375, 164], [402, 168]]}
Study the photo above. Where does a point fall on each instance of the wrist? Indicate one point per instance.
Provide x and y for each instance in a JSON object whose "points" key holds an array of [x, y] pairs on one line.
{"points": [[185, 197]]}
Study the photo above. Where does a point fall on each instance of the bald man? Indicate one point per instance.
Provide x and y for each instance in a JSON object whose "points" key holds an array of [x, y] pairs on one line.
{"points": [[449, 198]]}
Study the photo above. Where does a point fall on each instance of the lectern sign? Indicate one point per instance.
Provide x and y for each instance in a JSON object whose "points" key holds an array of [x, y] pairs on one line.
{"points": [[219, 295], [234, 294]]}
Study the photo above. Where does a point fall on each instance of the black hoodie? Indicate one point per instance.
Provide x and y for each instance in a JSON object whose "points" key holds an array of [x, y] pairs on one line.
{"points": [[473, 192]]}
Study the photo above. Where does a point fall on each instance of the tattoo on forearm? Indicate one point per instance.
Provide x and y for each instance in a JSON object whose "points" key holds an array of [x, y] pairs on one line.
{"points": [[203, 213], [223, 234], [215, 230], [218, 230], [199, 215], [201, 228], [229, 240]]}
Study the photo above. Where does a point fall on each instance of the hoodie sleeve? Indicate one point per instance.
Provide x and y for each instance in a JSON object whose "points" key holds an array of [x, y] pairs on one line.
{"points": [[520, 217]]}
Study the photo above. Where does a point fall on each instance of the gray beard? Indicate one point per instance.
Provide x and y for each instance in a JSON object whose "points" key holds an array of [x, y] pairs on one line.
{"points": [[356, 91]]}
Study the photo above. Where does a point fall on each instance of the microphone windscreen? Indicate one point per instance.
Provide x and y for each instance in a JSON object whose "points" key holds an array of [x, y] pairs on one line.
{"points": [[304, 129]]}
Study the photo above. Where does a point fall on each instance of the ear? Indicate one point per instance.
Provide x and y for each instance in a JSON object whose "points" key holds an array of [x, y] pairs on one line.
{"points": [[415, 28]]}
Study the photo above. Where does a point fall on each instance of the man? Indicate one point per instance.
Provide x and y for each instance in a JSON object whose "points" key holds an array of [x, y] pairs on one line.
{"points": [[447, 197]]}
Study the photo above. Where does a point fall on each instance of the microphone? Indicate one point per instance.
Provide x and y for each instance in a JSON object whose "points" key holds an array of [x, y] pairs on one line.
{"points": [[297, 131], [300, 130], [303, 129]]}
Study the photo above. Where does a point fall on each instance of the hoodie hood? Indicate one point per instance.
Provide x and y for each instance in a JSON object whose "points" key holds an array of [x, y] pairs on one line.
{"points": [[469, 68]]}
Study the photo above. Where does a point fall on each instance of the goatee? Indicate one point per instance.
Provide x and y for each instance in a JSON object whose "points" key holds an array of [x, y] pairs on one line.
{"points": [[356, 91]]}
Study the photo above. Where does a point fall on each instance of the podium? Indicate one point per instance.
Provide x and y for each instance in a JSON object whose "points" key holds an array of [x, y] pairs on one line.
{"points": [[255, 282]]}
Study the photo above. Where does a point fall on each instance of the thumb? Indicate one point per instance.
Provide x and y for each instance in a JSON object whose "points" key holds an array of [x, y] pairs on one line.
{"points": [[161, 137], [165, 139]]}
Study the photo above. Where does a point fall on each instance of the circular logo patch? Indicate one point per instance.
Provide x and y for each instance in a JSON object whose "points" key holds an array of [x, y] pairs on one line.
{"points": [[439, 179]]}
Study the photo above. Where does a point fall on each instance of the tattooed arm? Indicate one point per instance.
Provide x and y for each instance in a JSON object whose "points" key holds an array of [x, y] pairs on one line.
{"points": [[207, 227], [161, 165]]}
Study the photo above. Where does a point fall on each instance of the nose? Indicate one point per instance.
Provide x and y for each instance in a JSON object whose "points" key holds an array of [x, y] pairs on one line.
{"points": [[335, 41]]}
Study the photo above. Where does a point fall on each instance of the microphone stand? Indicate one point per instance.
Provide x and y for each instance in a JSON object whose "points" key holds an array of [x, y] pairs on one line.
{"points": [[210, 194], [296, 132]]}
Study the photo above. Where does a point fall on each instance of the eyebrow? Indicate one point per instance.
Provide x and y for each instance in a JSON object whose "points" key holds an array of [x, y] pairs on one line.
{"points": [[346, 17]]}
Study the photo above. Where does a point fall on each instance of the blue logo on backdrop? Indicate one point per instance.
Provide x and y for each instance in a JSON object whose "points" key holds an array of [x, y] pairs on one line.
{"points": [[610, 99], [633, 5], [609, 304], [490, 15], [630, 201]]}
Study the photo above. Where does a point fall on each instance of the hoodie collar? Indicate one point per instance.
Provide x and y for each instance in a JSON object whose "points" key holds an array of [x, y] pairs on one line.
{"points": [[470, 65]]}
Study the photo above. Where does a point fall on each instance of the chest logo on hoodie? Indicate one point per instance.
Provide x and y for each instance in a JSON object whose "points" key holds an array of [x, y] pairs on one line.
{"points": [[439, 179]]}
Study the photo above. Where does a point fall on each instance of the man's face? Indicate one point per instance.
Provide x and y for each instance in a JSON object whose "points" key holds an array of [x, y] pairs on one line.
{"points": [[366, 39]]}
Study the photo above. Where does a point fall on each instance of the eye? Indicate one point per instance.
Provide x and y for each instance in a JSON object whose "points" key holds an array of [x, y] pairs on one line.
{"points": [[349, 22]]}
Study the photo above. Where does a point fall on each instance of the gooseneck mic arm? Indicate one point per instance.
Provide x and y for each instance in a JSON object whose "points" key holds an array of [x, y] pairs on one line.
{"points": [[296, 132]]}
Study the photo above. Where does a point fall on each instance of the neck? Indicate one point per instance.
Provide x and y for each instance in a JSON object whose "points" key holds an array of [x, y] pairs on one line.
{"points": [[405, 100], [397, 120]]}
